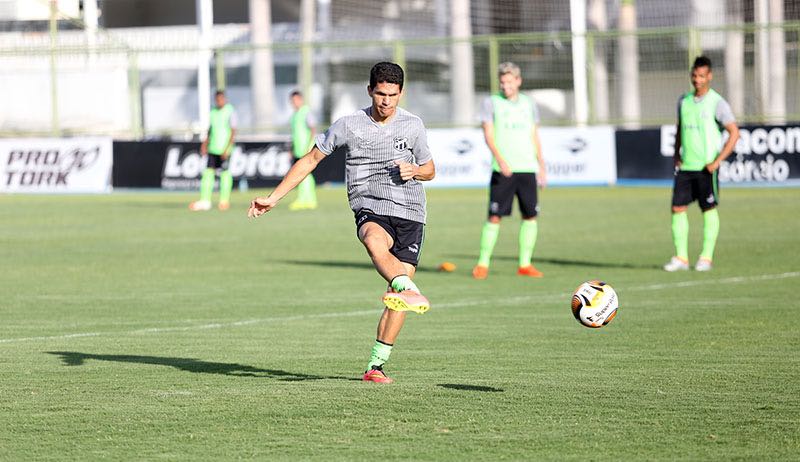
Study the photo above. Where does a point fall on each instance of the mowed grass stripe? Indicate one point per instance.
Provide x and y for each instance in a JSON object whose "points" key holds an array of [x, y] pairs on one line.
{"points": [[444, 305]]}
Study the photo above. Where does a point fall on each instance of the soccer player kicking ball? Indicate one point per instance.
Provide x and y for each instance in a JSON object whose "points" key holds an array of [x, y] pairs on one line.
{"points": [[387, 156], [701, 115]]}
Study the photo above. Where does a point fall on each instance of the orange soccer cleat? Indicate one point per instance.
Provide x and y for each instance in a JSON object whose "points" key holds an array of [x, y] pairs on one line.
{"points": [[529, 271], [376, 375], [480, 272]]}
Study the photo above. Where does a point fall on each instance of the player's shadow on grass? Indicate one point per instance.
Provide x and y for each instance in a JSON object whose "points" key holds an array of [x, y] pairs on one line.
{"points": [[344, 264], [72, 358], [566, 262], [462, 387]]}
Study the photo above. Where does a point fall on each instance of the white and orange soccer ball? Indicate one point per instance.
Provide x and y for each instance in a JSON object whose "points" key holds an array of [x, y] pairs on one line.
{"points": [[594, 303]]}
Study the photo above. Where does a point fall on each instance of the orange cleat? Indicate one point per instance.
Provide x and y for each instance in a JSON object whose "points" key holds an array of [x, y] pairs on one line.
{"points": [[376, 375], [480, 272], [224, 205], [529, 271]]}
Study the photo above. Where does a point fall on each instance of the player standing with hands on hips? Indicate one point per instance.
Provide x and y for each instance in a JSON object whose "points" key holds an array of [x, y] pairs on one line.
{"points": [[510, 121], [216, 150], [387, 157], [702, 114]]}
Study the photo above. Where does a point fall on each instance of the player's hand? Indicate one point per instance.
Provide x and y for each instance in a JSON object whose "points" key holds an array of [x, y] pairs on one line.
{"points": [[225, 156], [261, 205], [541, 179], [407, 170], [712, 167], [505, 169]]}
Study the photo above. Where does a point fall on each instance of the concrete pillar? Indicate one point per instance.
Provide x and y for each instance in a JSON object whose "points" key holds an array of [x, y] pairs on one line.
{"points": [[462, 83], [262, 69]]}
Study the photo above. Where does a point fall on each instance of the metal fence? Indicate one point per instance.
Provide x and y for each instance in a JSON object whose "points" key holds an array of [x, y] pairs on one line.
{"points": [[64, 86]]}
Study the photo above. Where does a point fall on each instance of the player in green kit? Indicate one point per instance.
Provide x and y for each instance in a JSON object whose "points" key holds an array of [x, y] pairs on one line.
{"points": [[303, 124], [509, 121], [702, 114], [216, 149]]}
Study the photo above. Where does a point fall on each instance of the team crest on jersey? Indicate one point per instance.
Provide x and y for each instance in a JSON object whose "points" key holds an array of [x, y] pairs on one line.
{"points": [[400, 144]]}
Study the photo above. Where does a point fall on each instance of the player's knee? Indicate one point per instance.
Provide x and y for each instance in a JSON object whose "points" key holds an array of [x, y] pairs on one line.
{"points": [[494, 219], [678, 208], [375, 242]]}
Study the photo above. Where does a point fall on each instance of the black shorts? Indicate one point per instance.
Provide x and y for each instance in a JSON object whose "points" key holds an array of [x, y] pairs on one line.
{"points": [[701, 186], [407, 235], [503, 189], [215, 161]]}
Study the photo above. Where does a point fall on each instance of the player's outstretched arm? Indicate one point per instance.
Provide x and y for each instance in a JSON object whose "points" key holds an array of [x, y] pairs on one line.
{"points": [[296, 174]]}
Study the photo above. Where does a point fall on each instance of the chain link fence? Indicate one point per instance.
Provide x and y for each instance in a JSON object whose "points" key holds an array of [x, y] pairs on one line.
{"points": [[61, 85]]}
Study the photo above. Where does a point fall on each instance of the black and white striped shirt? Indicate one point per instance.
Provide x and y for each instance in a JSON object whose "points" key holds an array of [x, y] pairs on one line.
{"points": [[372, 176]]}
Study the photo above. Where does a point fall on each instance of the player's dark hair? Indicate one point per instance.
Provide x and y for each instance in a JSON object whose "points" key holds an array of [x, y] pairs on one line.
{"points": [[295, 93], [386, 72], [702, 61], [219, 92]]}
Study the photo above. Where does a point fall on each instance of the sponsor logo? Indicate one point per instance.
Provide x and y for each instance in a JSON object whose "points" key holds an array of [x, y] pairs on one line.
{"points": [[740, 170], [604, 312], [47, 167], [182, 169], [463, 146], [564, 168], [575, 145], [414, 248]]}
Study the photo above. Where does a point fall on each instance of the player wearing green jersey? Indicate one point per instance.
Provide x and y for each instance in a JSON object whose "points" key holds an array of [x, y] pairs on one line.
{"points": [[510, 121], [303, 130], [702, 114], [216, 150]]}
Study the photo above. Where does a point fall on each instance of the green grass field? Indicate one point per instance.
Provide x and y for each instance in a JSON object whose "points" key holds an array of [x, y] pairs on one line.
{"points": [[131, 328]]}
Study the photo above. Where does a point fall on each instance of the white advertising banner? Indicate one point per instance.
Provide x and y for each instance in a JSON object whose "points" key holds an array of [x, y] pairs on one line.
{"points": [[56, 165], [573, 156], [461, 157], [579, 156]]}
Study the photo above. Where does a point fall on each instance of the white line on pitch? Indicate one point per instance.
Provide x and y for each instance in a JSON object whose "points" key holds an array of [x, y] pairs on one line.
{"points": [[247, 322]]}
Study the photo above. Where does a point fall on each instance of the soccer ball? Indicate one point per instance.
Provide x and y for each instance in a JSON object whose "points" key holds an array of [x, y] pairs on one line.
{"points": [[594, 303]]}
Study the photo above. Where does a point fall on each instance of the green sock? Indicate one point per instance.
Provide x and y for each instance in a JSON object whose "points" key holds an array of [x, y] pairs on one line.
{"points": [[225, 186], [710, 233], [527, 241], [207, 184], [306, 191], [488, 240], [680, 234], [380, 354], [403, 282]]}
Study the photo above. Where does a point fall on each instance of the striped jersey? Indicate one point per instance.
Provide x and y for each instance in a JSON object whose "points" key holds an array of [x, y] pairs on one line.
{"points": [[371, 150]]}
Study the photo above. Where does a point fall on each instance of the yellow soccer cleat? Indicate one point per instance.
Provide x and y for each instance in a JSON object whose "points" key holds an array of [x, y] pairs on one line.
{"points": [[407, 300]]}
